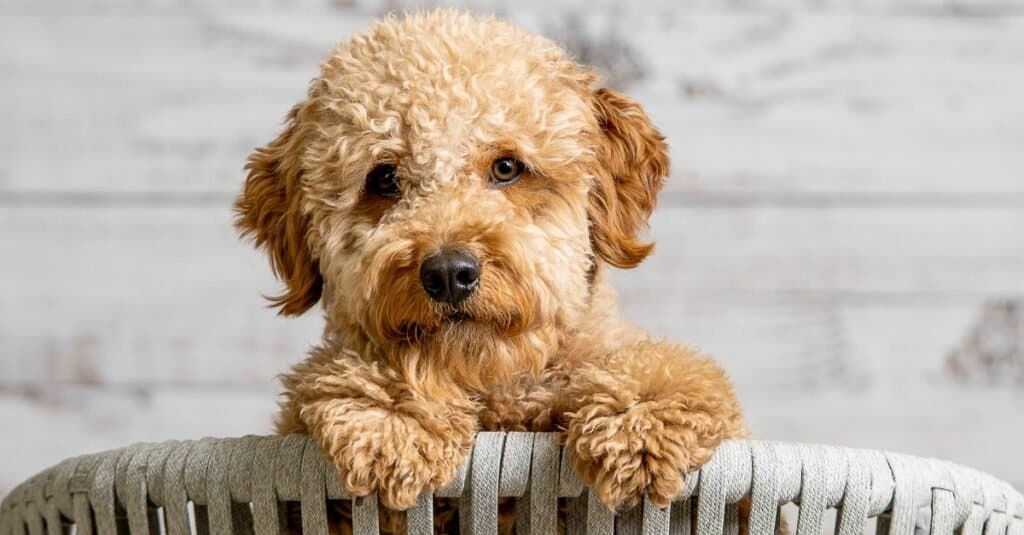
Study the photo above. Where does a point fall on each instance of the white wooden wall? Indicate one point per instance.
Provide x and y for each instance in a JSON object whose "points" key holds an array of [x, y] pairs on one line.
{"points": [[847, 203]]}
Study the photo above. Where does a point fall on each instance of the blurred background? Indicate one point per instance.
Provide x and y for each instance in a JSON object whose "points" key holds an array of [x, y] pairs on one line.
{"points": [[843, 229]]}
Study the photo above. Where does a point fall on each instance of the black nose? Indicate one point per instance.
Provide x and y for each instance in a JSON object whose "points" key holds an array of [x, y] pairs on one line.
{"points": [[450, 275]]}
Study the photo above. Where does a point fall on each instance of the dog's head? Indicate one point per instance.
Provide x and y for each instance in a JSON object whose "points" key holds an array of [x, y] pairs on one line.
{"points": [[452, 178]]}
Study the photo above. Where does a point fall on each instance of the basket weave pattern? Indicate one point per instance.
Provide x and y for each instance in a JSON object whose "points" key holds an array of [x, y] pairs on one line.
{"points": [[237, 485]]}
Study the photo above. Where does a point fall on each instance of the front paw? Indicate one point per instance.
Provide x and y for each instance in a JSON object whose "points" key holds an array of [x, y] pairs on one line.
{"points": [[394, 457], [646, 449]]}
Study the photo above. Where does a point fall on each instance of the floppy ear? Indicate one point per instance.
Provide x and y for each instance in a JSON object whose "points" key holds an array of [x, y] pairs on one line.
{"points": [[634, 163], [269, 209]]}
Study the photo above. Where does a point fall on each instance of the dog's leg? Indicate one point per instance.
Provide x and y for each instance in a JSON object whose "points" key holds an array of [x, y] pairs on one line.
{"points": [[641, 417], [387, 435]]}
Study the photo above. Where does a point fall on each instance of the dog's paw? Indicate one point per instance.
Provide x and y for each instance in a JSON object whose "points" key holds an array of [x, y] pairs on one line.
{"points": [[394, 457], [645, 450]]}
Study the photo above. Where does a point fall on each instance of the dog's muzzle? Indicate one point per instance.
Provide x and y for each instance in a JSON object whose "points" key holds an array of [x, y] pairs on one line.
{"points": [[450, 275]]}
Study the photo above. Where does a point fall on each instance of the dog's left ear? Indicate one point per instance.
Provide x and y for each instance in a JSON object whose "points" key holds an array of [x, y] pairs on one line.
{"points": [[634, 164]]}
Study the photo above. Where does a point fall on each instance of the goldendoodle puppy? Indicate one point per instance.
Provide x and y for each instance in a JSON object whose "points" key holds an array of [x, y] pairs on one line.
{"points": [[452, 192]]}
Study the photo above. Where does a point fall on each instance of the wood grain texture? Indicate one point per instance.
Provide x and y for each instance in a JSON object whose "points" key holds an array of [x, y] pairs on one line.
{"points": [[47, 423], [139, 294], [974, 427], [879, 249], [848, 193], [122, 294], [849, 104], [992, 352]]}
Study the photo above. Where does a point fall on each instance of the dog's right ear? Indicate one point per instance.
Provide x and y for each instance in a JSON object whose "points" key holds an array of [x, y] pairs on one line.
{"points": [[269, 210]]}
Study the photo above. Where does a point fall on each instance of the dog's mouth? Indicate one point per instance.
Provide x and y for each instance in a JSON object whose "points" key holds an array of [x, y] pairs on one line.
{"points": [[411, 332], [457, 316]]}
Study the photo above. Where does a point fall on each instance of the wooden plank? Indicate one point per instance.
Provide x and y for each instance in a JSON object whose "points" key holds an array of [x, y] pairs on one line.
{"points": [[844, 104], [883, 249], [973, 427], [168, 294], [46, 424], [778, 343], [178, 110], [977, 8], [762, 342], [139, 294], [838, 102], [992, 352]]}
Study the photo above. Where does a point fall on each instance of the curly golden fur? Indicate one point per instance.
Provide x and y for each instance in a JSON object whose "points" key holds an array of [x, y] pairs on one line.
{"points": [[401, 382]]}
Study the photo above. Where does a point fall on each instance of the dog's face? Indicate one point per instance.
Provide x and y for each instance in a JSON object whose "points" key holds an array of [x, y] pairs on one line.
{"points": [[452, 181]]}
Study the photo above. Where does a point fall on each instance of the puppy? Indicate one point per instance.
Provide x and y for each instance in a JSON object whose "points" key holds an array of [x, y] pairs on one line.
{"points": [[452, 192]]}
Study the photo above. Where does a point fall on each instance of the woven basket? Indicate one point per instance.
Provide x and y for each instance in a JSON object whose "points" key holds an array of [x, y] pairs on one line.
{"points": [[237, 485]]}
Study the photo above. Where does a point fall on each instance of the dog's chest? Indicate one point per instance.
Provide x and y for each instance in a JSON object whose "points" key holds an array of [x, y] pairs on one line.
{"points": [[525, 406]]}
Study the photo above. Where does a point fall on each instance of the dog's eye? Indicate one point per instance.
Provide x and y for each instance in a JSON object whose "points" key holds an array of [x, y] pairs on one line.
{"points": [[383, 180], [505, 171]]}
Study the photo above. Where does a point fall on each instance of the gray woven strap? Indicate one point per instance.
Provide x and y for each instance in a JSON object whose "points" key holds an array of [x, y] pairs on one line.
{"points": [[239, 485]]}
